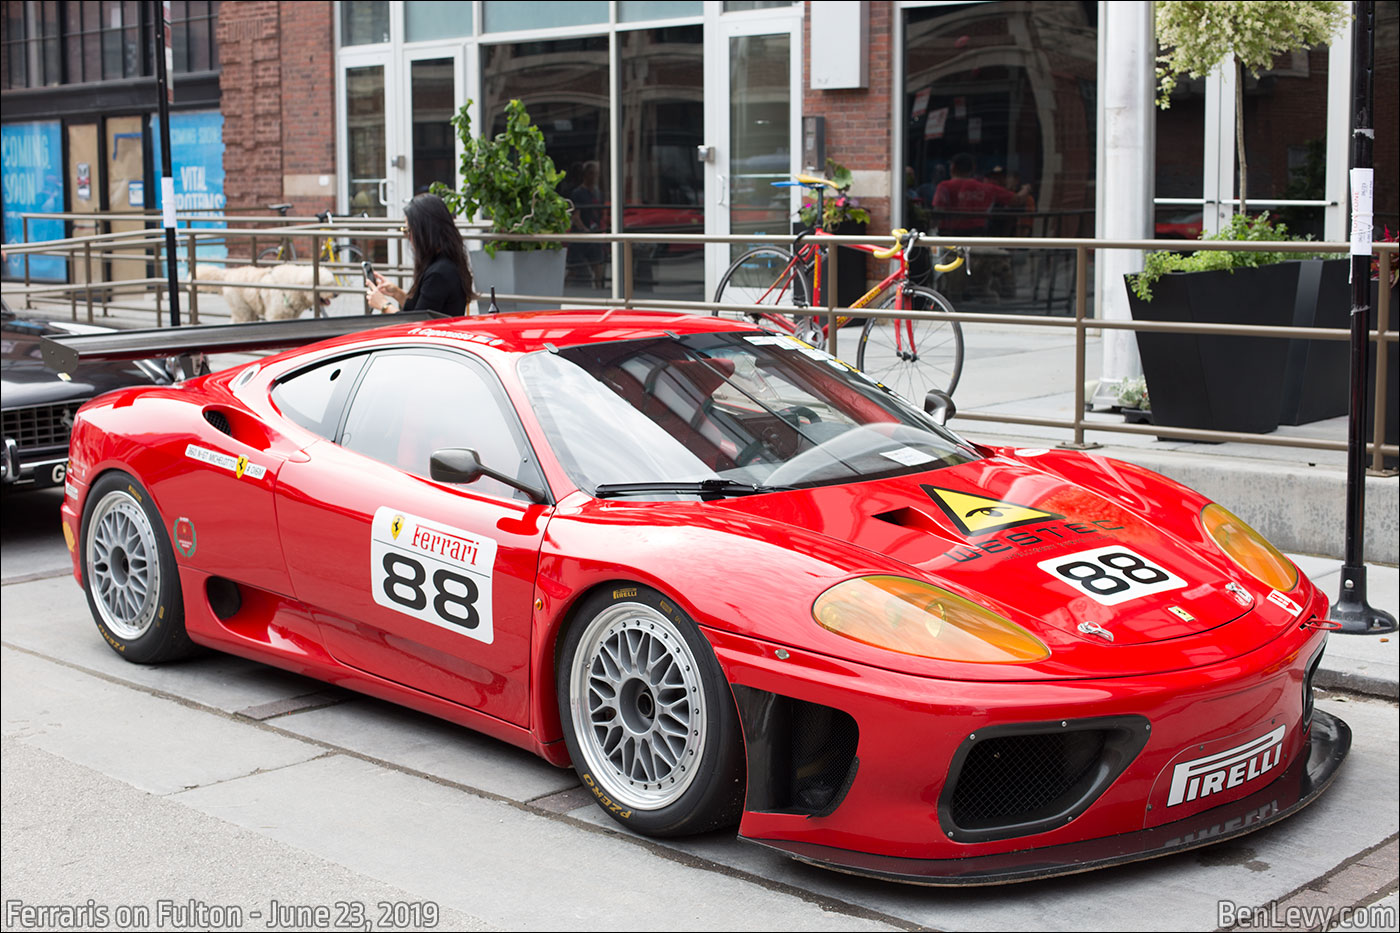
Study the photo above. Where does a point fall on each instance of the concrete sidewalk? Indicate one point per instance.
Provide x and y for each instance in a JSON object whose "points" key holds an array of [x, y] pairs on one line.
{"points": [[1294, 496]]}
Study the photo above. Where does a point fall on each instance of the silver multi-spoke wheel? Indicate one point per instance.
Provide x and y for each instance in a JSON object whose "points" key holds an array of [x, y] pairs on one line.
{"points": [[122, 565], [638, 706]]}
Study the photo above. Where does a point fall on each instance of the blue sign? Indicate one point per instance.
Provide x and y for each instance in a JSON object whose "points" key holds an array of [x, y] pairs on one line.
{"points": [[197, 161], [33, 181]]}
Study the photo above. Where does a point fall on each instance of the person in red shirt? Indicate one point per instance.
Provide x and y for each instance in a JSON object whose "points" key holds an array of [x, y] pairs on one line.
{"points": [[964, 201]]}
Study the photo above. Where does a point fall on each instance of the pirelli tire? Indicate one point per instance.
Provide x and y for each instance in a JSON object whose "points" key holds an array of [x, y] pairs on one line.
{"points": [[648, 716], [129, 573]]}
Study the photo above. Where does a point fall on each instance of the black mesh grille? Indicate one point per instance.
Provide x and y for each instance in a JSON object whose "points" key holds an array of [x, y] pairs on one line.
{"points": [[823, 748], [40, 425], [218, 420], [1021, 778]]}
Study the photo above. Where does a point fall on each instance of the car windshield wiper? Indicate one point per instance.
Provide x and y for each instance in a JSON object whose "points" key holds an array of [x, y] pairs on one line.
{"points": [[706, 489]]}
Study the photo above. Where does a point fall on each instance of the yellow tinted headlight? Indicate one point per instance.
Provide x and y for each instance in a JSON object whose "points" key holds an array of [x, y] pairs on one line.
{"points": [[903, 615], [1249, 549]]}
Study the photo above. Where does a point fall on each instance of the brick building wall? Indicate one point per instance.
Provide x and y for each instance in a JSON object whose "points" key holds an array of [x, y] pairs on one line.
{"points": [[277, 89], [858, 120]]}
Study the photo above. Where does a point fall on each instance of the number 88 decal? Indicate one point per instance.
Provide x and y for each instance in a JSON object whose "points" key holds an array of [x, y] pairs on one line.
{"points": [[1111, 575], [432, 572]]}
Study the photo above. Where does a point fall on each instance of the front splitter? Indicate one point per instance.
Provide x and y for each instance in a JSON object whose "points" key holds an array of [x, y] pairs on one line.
{"points": [[1303, 782]]}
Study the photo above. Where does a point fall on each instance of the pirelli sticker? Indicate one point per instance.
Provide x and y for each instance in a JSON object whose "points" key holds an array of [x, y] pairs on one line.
{"points": [[432, 571], [239, 466]]}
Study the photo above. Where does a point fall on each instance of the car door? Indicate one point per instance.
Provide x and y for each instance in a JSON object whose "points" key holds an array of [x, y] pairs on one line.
{"points": [[422, 583]]}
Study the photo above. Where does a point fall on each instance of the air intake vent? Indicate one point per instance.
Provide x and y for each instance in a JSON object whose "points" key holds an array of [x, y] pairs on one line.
{"points": [[802, 756], [219, 420], [1016, 780]]}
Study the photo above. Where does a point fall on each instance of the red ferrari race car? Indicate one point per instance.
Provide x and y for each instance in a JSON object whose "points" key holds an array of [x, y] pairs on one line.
{"points": [[723, 575]]}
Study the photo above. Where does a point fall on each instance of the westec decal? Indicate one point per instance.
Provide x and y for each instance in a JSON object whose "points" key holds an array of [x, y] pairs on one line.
{"points": [[1028, 538]]}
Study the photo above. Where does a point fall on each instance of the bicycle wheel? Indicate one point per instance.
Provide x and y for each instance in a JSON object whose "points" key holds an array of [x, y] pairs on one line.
{"points": [[276, 255], [913, 356], [767, 278], [345, 272]]}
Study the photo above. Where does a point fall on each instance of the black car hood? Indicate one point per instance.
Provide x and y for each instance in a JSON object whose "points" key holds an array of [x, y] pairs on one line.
{"points": [[26, 381]]}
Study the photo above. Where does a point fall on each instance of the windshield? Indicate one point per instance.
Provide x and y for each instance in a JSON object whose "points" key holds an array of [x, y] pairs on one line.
{"points": [[759, 409]]}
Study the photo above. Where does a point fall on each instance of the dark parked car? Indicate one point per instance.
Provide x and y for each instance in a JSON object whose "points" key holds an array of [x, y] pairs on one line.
{"points": [[39, 405]]}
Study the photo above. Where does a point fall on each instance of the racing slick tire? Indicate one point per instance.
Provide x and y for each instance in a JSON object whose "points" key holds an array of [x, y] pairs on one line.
{"points": [[129, 573], [648, 716]]}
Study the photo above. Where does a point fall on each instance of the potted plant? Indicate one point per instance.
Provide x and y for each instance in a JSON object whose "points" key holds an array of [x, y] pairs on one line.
{"points": [[510, 180], [843, 216], [1222, 383], [1134, 401]]}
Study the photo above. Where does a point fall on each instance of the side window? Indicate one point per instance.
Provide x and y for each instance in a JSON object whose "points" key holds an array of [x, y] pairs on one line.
{"points": [[315, 397], [410, 404]]}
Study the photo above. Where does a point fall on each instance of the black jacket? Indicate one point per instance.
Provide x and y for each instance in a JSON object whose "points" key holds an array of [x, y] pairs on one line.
{"points": [[440, 290]]}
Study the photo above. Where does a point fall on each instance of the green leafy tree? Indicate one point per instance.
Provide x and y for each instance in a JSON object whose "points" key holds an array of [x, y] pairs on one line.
{"points": [[1197, 35], [509, 180]]}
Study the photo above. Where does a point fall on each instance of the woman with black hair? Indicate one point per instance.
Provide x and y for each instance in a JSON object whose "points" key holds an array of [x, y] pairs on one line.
{"points": [[442, 277]]}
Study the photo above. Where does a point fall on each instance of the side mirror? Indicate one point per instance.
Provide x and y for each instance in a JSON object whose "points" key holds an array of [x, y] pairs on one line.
{"points": [[461, 465], [939, 405]]}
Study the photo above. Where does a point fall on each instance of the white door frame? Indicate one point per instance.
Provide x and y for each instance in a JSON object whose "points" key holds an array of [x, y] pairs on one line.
{"points": [[720, 28]]}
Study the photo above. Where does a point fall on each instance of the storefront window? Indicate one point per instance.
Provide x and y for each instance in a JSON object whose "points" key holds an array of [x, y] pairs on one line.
{"points": [[509, 15], [1385, 154], [433, 143], [637, 11], [364, 22], [1180, 162], [436, 19], [663, 119], [1000, 103], [564, 86], [1285, 131]]}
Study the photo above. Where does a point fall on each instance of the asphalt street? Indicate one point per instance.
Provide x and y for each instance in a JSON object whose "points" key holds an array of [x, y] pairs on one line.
{"points": [[222, 794]]}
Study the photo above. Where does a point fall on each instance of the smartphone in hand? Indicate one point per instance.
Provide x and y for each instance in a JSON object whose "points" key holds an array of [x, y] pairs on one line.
{"points": [[369, 274]]}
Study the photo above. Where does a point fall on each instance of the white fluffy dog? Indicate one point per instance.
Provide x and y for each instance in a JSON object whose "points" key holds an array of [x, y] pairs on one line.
{"points": [[248, 302]]}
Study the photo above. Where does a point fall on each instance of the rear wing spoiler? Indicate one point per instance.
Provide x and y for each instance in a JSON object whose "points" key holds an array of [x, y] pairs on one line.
{"points": [[64, 354]]}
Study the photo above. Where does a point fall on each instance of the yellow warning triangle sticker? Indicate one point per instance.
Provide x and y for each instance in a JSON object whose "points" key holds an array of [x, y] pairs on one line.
{"points": [[979, 515]]}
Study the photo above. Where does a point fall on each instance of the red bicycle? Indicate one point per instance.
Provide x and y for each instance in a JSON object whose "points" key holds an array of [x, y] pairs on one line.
{"points": [[909, 355]]}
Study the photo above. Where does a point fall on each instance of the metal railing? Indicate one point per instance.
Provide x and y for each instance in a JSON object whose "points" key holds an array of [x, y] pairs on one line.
{"points": [[625, 246]]}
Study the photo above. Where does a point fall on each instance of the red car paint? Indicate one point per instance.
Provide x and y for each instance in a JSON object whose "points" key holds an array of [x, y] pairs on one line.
{"points": [[1207, 670]]}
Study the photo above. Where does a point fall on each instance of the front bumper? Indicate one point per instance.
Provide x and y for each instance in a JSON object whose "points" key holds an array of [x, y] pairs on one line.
{"points": [[1303, 782], [1229, 746], [33, 469]]}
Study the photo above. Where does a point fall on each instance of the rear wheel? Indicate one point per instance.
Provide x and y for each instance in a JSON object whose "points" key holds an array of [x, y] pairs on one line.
{"points": [[648, 717], [768, 279], [912, 356], [129, 573]]}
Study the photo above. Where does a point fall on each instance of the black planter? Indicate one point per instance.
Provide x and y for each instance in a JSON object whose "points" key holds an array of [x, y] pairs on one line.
{"points": [[850, 267], [1317, 381], [1217, 383]]}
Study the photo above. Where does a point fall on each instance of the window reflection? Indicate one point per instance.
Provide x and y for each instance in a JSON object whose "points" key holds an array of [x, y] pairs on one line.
{"points": [[564, 86], [663, 120], [1000, 106]]}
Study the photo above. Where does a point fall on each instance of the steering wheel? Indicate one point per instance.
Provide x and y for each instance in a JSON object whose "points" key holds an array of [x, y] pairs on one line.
{"points": [[794, 414], [751, 452]]}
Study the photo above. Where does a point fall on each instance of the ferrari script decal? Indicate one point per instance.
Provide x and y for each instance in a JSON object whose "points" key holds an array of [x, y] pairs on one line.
{"points": [[432, 572], [979, 515], [238, 466]]}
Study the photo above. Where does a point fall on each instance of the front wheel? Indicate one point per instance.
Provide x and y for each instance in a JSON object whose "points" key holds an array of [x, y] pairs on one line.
{"points": [[912, 356], [648, 717], [776, 286], [129, 573]]}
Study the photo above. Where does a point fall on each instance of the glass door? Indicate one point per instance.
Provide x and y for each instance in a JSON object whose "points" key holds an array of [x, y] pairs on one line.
{"points": [[425, 150], [757, 115]]}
